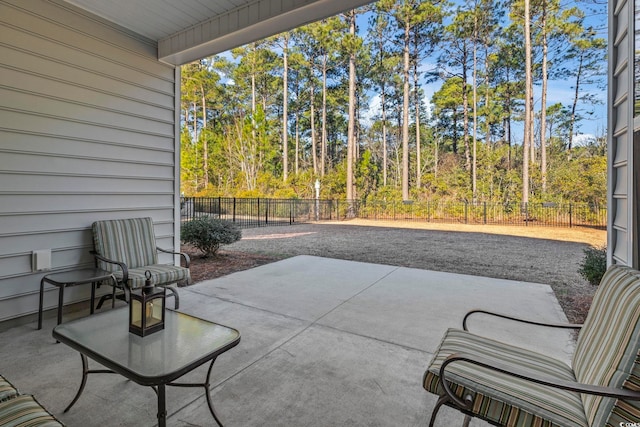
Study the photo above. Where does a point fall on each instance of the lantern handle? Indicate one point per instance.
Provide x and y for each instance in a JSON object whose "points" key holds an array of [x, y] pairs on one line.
{"points": [[147, 284]]}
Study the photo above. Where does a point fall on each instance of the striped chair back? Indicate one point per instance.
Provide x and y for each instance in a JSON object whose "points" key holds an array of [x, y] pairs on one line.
{"points": [[131, 241], [608, 345]]}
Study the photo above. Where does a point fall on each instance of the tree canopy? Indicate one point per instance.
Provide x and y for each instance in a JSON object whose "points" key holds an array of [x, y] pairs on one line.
{"points": [[344, 100]]}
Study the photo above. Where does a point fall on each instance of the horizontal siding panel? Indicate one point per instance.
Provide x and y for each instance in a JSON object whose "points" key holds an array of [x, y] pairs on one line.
{"points": [[622, 80], [10, 161], [30, 122], [94, 26], [21, 182], [13, 266], [106, 77], [18, 204], [46, 29], [621, 38], [21, 243], [621, 151], [61, 109], [38, 144], [621, 116], [617, 7], [620, 185], [620, 253], [71, 92], [37, 222], [621, 219]]}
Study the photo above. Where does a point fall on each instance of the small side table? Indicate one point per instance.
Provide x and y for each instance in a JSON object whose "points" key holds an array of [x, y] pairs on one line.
{"points": [[72, 278]]}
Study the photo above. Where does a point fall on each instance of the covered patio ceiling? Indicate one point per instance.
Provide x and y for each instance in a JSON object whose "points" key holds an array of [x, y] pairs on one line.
{"points": [[188, 30]]}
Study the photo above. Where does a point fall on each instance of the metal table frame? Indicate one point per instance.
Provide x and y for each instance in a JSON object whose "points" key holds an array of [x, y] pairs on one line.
{"points": [[80, 335], [65, 279]]}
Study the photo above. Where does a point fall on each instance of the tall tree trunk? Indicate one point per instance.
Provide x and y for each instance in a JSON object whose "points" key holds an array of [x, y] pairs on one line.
{"points": [[574, 105], [465, 108], [416, 92], [253, 93], [543, 101], [487, 94], [405, 114], [205, 142], [314, 145], [475, 107], [528, 125], [323, 142], [285, 107], [352, 112], [384, 137], [297, 166]]}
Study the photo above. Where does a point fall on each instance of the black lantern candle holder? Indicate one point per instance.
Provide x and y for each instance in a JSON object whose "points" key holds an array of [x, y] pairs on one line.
{"points": [[147, 308]]}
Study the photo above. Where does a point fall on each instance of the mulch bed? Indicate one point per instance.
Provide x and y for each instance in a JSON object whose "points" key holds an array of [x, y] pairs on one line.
{"points": [[222, 263]]}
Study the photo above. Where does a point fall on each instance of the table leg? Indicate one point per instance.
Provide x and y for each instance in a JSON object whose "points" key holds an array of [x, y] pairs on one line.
{"points": [[162, 406], [208, 395], [60, 302], [93, 296], [206, 386], [85, 372], [41, 303]]}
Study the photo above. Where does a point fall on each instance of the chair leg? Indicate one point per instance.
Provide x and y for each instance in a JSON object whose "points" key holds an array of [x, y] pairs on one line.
{"points": [[102, 299], [443, 399], [175, 294]]}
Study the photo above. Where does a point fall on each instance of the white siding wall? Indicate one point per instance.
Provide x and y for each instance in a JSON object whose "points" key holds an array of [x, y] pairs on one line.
{"points": [[622, 230], [87, 132]]}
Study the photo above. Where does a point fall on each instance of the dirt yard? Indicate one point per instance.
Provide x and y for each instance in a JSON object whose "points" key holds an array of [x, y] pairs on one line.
{"points": [[534, 254]]}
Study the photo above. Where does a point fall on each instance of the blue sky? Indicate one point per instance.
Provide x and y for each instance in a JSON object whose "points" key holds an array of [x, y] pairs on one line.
{"points": [[559, 91]]}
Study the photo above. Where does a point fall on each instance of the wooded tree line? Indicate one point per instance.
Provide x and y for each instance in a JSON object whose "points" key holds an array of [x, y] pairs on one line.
{"points": [[342, 101]]}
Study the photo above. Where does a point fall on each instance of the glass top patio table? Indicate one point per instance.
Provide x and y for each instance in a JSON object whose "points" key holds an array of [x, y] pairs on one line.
{"points": [[185, 343]]}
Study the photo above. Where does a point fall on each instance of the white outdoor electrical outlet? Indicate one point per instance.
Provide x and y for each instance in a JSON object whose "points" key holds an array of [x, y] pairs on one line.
{"points": [[41, 260]]}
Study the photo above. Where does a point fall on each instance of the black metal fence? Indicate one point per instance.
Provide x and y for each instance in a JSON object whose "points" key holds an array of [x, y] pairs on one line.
{"points": [[253, 212]]}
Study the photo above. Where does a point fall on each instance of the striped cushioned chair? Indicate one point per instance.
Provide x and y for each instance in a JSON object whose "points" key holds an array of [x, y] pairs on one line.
{"points": [[509, 386], [127, 247], [7, 390], [25, 411]]}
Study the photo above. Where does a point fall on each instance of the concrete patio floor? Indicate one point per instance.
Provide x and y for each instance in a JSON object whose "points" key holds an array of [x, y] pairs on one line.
{"points": [[325, 342]]}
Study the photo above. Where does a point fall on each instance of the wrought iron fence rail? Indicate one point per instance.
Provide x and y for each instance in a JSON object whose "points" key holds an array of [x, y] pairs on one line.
{"points": [[254, 212]]}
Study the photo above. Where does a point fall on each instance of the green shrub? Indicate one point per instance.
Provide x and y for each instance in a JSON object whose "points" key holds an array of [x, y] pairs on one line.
{"points": [[594, 264], [207, 234]]}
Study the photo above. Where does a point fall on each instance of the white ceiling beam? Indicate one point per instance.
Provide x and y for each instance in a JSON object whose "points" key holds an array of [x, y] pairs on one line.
{"points": [[255, 21]]}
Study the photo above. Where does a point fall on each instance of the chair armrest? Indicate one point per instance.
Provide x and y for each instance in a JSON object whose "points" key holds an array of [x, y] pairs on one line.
{"points": [[122, 265], [517, 319], [617, 393], [184, 256]]}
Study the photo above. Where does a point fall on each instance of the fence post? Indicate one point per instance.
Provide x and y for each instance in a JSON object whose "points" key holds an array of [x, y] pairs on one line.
{"points": [[234, 209], [570, 215], [219, 207], [291, 202], [485, 212], [466, 212], [526, 214], [266, 212]]}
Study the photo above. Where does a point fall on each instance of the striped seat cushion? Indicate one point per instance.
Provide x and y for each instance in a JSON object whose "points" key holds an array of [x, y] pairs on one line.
{"points": [[25, 411], [131, 241], [501, 398], [7, 390], [160, 275], [607, 351]]}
